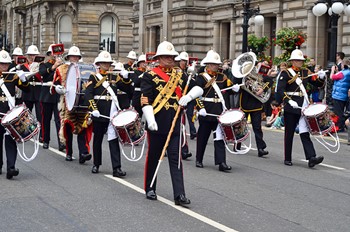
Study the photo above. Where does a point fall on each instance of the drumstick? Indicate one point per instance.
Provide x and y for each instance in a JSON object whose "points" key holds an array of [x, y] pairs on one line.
{"points": [[316, 74], [102, 116], [207, 114]]}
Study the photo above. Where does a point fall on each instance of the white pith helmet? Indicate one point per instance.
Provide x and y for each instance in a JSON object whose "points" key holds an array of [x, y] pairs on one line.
{"points": [[104, 56], [5, 57], [297, 54], [17, 51], [142, 58], [49, 49], [74, 51], [118, 66], [166, 49], [212, 58], [184, 56], [132, 55], [32, 50]]}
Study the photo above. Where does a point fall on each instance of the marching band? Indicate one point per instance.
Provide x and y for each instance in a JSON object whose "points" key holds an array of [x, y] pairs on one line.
{"points": [[158, 92]]}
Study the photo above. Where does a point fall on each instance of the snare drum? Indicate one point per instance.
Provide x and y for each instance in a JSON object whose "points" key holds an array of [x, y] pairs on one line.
{"points": [[127, 125], [77, 77], [20, 123], [318, 119], [234, 125]]}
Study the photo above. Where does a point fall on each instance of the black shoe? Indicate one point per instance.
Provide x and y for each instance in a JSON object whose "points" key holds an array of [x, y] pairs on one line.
{"points": [[69, 158], [84, 157], [118, 172], [45, 146], [314, 161], [193, 136], [182, 200], [12, 172], [151, 195], [288, 163], [224, 167], [262, 152], [61, 147], [95, 169], [199, 164], [186, 155]]}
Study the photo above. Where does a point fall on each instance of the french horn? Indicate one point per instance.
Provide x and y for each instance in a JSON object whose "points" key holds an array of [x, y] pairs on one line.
{"points": [[244, 67]]}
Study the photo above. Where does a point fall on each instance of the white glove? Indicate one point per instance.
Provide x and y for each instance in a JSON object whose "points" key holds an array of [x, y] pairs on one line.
{"points": [[236, 87], [202, 112], [60, 89], [195, 92], [151, 121], [298, 81], [21, 75], [124, 74], [321, 74], [184, 100], [96, 113], [293, 104]]}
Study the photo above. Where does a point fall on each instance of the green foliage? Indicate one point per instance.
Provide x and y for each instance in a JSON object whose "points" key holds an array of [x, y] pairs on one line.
{"points": [[259, 46]]}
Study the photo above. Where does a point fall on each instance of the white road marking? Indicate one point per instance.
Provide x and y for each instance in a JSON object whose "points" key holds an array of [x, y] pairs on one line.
{"points": [[180, 208], [327, 165]]}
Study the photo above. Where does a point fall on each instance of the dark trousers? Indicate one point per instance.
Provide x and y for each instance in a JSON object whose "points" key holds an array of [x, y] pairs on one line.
{"points": [[10, 147], [30, 105], [100, 129], [338, 108], [156, 143], [290, 123], [255, 118], [47, 109], [204, 130], [83, 141], [189, 113]]}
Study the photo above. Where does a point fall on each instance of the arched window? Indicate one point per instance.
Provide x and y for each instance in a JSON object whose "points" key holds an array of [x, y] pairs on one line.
{"points": [[108, 34], [65, 30]]}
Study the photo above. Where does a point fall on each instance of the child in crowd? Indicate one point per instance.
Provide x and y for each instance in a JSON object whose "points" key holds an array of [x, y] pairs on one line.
{"points": [[274, 115]]}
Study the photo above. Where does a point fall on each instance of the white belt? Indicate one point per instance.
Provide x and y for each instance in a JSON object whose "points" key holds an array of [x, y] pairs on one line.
{"points": [[137, 89], [208, 99], [103, 97], [35, 83], [300, 94]]}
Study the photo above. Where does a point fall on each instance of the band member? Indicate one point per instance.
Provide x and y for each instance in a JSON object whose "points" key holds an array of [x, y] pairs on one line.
{"points": [[49, 101], [162, 89], [75, 121], [136, 79], [253, 107], [17, 52], [123, 97], [290, 92], [100, 98], [131, 61], [213, 102], [7, 91]]}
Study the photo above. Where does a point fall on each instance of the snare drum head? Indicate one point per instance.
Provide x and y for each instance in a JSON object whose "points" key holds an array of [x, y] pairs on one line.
{"points": [[15, 112], [231, 116], [124, 118], [315, 109]]}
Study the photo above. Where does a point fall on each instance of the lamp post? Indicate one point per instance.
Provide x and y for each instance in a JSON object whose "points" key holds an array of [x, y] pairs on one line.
{"points": [[247, 14], [334, 8]]}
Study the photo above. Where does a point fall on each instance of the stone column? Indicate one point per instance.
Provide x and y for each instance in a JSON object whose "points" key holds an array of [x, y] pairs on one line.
{"points": [[232, 44], [279, 25], [216, 36], [311, 34], [340, 34]]}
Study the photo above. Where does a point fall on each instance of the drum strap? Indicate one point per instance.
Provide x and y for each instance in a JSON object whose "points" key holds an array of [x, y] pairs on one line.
{"points": [[216, 89], [10, 99], [106, 85], [168, 90]]}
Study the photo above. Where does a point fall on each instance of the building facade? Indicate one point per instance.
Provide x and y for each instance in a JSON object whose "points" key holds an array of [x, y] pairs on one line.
{"points": [[193, 26]]}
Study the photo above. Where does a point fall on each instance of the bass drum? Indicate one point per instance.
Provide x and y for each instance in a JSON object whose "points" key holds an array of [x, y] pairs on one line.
{"points": [[77, 78]]}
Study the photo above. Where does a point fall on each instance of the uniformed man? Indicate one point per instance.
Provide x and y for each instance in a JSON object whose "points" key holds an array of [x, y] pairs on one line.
{"points": [[7, 102], [49, 101], [17, 52], [100, 97], [289, 91], [136, 78], [74, 121], [213, 102], [162, 89]]}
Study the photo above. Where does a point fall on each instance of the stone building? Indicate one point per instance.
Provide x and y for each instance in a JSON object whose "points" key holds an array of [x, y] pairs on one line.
{"points": [[194, 26]]}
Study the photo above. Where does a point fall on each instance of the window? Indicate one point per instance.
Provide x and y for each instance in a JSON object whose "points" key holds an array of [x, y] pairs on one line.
{"points": [[65, 31], [108, 34]]}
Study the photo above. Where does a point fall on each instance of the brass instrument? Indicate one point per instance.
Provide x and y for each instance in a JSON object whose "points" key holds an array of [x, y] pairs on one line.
{"points": [[244, 67]]}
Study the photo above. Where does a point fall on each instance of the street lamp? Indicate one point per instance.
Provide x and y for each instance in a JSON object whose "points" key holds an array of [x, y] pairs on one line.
{"points": [[247, 14], [334, 11]]}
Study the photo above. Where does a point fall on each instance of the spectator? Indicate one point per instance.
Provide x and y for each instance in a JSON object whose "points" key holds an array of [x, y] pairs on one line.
{"points": [[274, 115], [339, 60]]}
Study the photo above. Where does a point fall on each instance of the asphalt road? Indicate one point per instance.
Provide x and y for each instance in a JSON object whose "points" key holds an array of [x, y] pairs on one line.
{"points": [[259, 194]]}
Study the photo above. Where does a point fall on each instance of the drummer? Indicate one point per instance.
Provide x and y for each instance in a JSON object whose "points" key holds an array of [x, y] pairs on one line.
{"points": [[7, 102], [136, 78], [289, 92], [100, 97], [72, 122]]}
